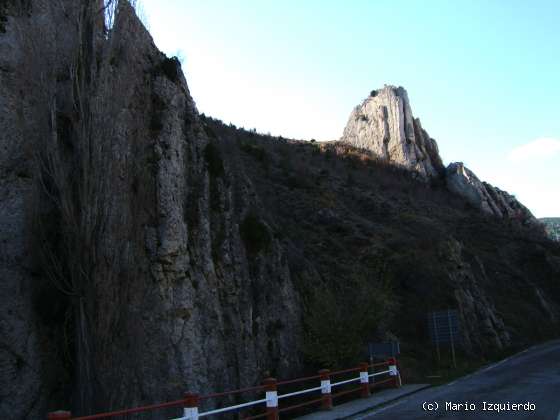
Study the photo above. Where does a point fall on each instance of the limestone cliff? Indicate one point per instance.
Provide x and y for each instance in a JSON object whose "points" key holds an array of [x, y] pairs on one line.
{"points": [[384, 124], [27, 354], [491, 200], [145, 239], [146, 250]]}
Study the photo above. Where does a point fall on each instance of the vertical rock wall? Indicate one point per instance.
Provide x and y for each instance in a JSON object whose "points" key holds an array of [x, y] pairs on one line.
{"points": [[384, 124], [173, 296], [29, 35]]}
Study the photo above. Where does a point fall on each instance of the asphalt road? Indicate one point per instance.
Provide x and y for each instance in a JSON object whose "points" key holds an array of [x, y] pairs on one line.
{"points": [[531, 377]]}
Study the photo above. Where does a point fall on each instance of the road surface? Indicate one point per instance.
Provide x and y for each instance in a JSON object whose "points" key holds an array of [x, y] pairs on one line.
{"points": [[530, 378]]}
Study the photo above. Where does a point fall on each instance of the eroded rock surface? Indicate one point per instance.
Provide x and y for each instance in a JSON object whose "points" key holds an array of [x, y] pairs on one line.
{"points": [[179, 253], [164, 285], [491, 200], [481, 324], [384, 124], [28, 355]]}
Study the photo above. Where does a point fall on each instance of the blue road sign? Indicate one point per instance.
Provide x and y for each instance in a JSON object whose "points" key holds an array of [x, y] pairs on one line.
{"points": [[444, 327], [382, 350]]}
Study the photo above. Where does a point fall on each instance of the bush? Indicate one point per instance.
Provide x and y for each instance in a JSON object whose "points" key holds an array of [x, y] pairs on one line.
{"points": [[255, 234], [3, 21], [214, 160], [171, 67], [373, 93], [338, 323], [210, 132], [254, 150]]}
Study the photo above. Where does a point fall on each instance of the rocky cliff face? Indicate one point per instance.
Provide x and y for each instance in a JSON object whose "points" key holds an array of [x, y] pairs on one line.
{"points": [[477, 310], [146, 250], [491, 200], [150, 243], [384, 124], [359, 222], [27, 353], [552, 226]]}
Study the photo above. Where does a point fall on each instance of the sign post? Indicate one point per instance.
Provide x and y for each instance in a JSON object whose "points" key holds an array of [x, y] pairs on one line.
{"points": [[451, 337], [444, 329], [436, 336]]}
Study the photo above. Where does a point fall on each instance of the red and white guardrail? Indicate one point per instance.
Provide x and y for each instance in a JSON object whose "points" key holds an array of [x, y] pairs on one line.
{"points": [[369, 376]]}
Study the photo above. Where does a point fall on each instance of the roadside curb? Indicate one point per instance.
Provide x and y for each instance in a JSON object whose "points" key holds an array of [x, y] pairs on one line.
{"points": [[356, 407]]}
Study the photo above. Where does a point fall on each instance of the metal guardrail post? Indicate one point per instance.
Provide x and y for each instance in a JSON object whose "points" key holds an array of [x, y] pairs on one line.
{"points": [[59, 415], [393, 371], [364, 380], [271, 399], [326, 402], [191, 406], [191, 401]]}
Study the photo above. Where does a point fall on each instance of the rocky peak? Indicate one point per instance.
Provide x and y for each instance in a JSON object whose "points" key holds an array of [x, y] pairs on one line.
{"points": [[491, 200], [384, 124]]}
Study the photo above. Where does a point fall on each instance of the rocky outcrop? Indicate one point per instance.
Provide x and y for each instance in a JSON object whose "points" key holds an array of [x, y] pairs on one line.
{"points": [[384, 124], [489, 199], [155, 248], [482, 326], [146, 251], [552, 227]]}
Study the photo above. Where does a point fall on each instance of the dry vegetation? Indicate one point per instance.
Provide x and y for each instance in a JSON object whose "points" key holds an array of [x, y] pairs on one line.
{"points": [[378, 238]]}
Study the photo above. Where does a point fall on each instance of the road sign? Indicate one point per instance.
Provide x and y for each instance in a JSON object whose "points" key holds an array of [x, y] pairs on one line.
{"points": [[383, 350], [444, 328]]}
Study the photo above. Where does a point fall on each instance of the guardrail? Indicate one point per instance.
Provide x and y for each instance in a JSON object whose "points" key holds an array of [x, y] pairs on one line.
{"points": [[369, 377]]}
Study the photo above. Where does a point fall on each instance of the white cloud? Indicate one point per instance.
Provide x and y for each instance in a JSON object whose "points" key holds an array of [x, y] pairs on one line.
{"points": [[540, 148]]}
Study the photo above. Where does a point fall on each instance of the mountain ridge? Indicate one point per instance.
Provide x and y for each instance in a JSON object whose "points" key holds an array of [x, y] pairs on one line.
{"points": [[146, 249], [384, 124]]}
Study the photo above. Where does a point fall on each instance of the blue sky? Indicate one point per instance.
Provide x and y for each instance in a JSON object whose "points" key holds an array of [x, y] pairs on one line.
{"points": [[482, 76]]}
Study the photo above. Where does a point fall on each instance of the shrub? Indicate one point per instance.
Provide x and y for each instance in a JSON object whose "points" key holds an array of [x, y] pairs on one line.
{"points": [[3, 21], [171, 67], [254, 150], [255, 234], [214, 160], [373, 93], [210, 132], [338, 323]]}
